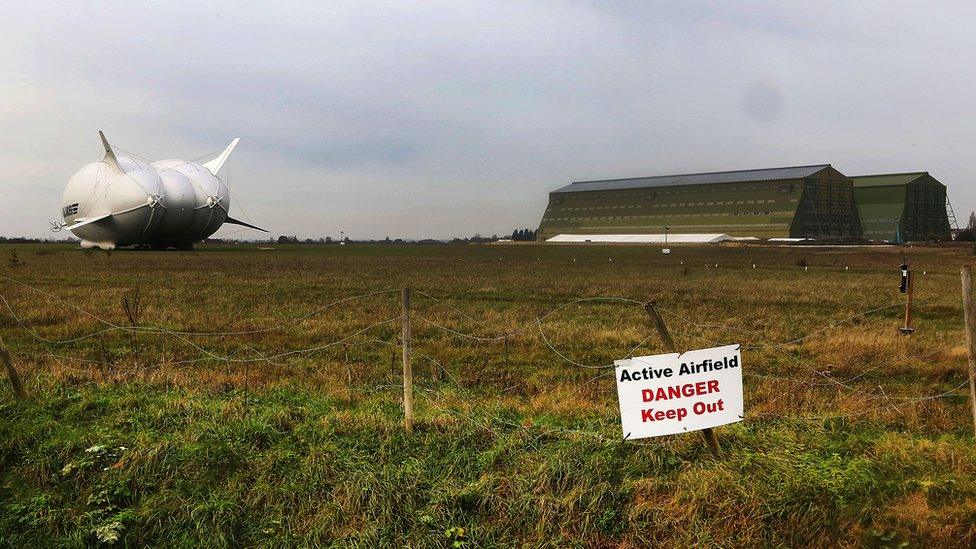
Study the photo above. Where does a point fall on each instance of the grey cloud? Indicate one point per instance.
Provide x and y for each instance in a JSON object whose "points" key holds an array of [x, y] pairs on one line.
{"points": [[440, 119]]}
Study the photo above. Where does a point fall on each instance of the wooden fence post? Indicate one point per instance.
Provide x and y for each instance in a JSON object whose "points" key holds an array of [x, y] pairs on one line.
{"points": [[708, 434], [970, 314], [407, 369], [15, 380]]}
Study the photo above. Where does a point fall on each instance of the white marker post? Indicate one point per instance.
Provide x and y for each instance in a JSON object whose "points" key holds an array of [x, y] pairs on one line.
{"points": [[677, 393]]}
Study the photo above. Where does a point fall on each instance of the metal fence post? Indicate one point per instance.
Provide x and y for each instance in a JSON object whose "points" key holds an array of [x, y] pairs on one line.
{"points": [[907, 329]]}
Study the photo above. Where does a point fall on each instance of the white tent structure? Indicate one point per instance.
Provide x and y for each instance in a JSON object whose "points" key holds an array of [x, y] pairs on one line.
{"points": [[642, 238]]}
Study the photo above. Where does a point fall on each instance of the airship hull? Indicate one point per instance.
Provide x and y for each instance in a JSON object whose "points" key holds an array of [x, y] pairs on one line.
{"points": [[126, 201]]}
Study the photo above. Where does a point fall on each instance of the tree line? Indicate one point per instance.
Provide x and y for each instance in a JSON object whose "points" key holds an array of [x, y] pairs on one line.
{"points": [[523, 235]]}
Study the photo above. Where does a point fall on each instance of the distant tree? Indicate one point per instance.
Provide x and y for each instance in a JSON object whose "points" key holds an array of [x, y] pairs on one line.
{"points": [[523, 235]]}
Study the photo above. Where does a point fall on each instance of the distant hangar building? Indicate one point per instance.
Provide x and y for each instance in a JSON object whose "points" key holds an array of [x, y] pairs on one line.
{"points": [[902, 207], [793, 202]]}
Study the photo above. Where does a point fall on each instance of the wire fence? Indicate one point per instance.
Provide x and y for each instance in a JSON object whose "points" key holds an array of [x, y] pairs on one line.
{"points": [[805, 374]]}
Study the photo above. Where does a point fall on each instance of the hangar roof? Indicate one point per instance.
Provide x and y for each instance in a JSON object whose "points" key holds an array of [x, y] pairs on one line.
{"points": [[886, 179], [765, 174]]}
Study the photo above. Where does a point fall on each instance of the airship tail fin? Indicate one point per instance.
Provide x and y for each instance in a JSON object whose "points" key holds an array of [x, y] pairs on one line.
{"points": [[87, 221], [110, 157], [215, 164], [233, 221]]}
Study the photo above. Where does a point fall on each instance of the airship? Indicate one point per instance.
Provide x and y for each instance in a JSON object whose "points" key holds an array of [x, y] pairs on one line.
{"points": [[122, 200]]}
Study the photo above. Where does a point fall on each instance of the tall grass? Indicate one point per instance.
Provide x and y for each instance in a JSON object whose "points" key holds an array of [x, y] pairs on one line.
{"points": [[513, 445]]}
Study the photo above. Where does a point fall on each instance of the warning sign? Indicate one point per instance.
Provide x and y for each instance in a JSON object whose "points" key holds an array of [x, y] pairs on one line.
{"points": [[677, 393]]}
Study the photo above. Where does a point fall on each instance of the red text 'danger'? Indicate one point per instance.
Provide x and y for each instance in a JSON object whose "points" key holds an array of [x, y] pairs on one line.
{"points": [[680, 391]]}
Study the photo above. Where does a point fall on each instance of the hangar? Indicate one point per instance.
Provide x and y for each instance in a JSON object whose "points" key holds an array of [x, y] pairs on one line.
{"points": [[798, 202], [901, 207]]}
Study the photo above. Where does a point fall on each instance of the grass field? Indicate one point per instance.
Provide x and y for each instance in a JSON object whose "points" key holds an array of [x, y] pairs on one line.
{"points": [[287, 429]]}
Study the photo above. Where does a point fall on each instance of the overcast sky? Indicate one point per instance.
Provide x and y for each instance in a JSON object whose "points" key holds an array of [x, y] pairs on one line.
{"points": [[443, 119]]}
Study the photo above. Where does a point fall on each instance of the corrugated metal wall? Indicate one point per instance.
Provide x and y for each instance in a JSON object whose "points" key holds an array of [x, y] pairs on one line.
{"points": [[915, 210], [882, 209], [827, 208], [925, 210], [764, 209]]}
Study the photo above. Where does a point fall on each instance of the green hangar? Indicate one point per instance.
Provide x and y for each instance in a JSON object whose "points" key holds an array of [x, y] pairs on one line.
{"points": [[901, 207], [792, 202]]}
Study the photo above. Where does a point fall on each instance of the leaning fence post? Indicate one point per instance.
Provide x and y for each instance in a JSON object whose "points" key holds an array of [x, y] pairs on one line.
{"points": [[970, 314], [15, 380], [708, 434], [407, 369]]}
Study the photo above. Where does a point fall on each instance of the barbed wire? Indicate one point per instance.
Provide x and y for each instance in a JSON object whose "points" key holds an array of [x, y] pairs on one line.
{"points": [[811, 334], [240, 355], [526, 327], [202, 349], [545, 340], [919, 303], [521, 426], [182, 336], [777, 347], [829, 380], [150, 329]]}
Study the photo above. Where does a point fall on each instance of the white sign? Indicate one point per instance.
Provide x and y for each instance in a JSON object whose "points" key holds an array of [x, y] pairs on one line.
{"points": [[677, 393]]}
